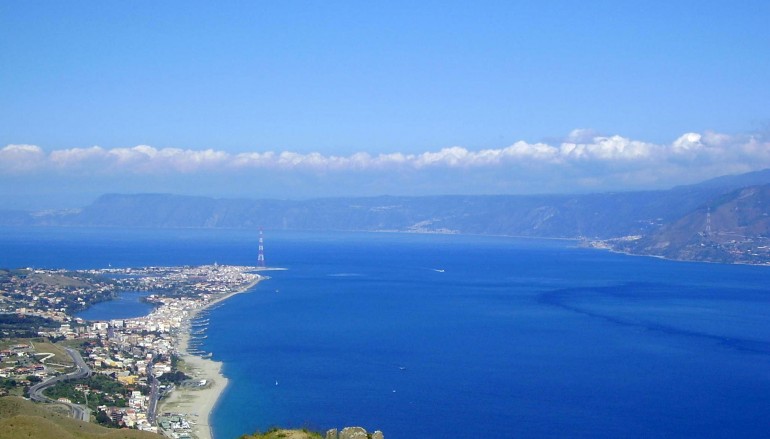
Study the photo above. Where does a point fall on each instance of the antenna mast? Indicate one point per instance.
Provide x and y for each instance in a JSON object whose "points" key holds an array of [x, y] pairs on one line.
{"points": [[261, 256]]}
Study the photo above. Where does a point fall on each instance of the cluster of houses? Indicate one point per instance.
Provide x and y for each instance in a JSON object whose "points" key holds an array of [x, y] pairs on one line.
{"points": [[126, 350], [52, 294], [18, 365]]}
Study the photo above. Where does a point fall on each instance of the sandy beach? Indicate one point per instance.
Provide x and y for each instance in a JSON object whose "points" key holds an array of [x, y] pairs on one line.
{"points": [[198, 402]]}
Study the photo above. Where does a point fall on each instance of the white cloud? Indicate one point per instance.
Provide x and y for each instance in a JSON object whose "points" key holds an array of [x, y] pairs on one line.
{"points": [[584, 158], [454, 156], [581, 135], [21, 158], [687, 142], [253, 159], [146, 159], [539, 152], [76, 157], [609, 149]]}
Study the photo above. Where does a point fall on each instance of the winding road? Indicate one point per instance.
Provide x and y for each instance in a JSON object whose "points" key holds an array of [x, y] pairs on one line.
{"points": [[78, 411]]}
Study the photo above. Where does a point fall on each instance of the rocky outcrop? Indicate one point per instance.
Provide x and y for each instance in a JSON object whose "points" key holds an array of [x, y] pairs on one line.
{"points": [[353, 433]]}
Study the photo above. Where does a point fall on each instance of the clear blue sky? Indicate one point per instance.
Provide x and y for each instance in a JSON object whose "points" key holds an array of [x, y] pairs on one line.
{"points": [[410, 78]]}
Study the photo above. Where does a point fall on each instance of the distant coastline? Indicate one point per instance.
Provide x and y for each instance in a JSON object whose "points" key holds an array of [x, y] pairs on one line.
{"points": [[718, 220]]}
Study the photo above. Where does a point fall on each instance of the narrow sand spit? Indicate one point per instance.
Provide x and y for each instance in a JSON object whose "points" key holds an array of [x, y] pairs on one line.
{"points": [[198, 402]]}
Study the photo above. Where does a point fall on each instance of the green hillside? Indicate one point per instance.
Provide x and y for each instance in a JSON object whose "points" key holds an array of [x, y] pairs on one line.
{"points": [[20, 418]]}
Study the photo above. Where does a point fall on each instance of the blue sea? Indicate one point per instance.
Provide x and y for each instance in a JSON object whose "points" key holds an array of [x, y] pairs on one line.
{"points": [[446, 336]]}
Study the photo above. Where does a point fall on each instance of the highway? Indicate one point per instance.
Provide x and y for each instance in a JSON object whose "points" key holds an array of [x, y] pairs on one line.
{"points": [[77, 411], [152, 405]]}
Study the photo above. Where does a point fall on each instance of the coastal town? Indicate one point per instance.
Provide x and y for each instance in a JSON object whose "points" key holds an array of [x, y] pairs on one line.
{"points": [[146, 373]]}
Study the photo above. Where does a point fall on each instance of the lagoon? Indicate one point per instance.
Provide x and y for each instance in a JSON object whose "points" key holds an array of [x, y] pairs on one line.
{"points": [[127, 305]]}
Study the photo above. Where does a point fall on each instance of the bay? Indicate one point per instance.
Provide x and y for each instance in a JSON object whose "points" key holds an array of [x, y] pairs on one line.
{"points": [[460, 336]]}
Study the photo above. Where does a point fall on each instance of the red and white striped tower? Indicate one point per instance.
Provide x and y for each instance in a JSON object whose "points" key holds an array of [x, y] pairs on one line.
{"points": [[261, 256]]}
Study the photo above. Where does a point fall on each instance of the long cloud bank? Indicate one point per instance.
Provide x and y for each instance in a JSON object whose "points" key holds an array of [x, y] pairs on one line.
{"points": [[582, 153]]}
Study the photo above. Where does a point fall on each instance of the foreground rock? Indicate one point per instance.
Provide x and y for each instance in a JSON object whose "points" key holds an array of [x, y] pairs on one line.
{"points": [[353, 433]]}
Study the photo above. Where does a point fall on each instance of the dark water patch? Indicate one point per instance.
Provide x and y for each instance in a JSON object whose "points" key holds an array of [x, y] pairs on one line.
{"points": [[667, 309]]}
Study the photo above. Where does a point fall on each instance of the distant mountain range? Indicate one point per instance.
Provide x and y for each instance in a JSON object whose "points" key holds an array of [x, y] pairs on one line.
{"points": [[717, 220]]}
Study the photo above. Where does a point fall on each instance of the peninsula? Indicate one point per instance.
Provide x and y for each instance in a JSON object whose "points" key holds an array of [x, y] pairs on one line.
{"points": [[148, 372]]}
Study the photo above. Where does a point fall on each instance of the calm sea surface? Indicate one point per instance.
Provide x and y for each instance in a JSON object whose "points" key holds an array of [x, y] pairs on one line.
{"points": [[453, 336]]}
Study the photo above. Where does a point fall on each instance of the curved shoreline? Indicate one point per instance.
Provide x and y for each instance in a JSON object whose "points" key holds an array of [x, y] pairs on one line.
{"points": [[198, 403]]}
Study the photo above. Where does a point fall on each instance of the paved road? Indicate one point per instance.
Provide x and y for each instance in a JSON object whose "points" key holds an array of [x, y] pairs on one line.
{"points": [[78, 411], [152, 406]]}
